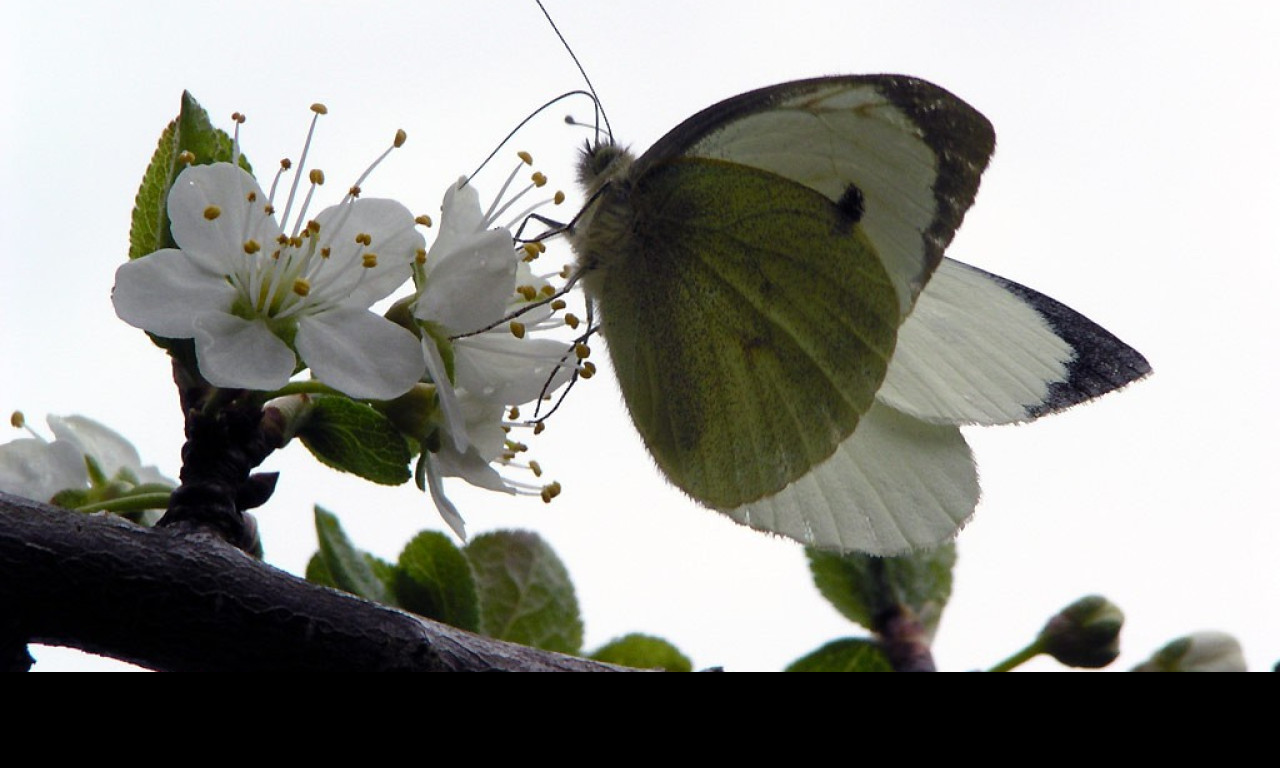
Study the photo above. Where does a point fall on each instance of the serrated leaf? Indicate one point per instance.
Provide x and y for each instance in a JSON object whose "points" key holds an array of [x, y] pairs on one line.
{"points": [[356, 438], [863, 587], [191, 131], [434, 579], [526, 595], [643, 652], [850, 654], [348, 568]]}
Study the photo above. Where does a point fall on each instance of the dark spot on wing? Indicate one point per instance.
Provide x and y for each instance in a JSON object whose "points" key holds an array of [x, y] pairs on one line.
{"points": [[851, 204]]}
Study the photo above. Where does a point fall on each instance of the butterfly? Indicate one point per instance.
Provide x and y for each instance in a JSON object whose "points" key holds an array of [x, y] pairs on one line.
{"points": [[793, 346]]}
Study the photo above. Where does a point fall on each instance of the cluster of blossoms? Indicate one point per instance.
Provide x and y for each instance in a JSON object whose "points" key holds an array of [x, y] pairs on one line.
{"points": [[84, 455], [264, 298]]}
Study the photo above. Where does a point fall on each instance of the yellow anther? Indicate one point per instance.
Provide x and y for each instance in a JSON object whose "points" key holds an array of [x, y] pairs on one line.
{"points": [[571, 320], [319, 109], [268, 209], [364, 238], [550, 491], [295, 241], [539, 179], [212, 212], [517, 329], [354, 191], [582, 351], [531, 251], [558, 305], [558, 198], [527, 291], [536, 467], [17, 420], [547, 290], [313, 226], [369, 260], [514, 413], [525, 157], [252, 197], [282, 239], [400, 138], [587, 370], [251, 246], [285, 163], [420, 256], [301, 286], [324, 252], [423, 220], [316, 176], [237, 117], [186, 157], [537, 428]]}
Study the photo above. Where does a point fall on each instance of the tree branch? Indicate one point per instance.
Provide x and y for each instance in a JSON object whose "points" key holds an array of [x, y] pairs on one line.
{"points": [[176, 601]]}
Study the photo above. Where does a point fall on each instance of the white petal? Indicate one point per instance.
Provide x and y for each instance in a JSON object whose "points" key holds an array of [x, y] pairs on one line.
{"points": [[445, 507], [111, 451], [241, 354], [218, 243], [468, 287], [460, 216], [360, 353], [896, 484], [971, 352], [165, 291], [473, 468], [394, 238], [455, 424], [38, 470], [511, 371]]}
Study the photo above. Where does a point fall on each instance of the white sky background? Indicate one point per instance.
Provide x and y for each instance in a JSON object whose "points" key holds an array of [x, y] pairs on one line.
{"points": [[1137, 179]]}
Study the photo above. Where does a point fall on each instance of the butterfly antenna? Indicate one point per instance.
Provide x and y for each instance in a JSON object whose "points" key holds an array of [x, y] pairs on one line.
{"points": [[600, 115], [540, 417], [525, 122]]}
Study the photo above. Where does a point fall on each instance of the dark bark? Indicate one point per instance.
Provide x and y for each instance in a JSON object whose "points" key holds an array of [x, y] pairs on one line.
{"points": [[169, 599]]}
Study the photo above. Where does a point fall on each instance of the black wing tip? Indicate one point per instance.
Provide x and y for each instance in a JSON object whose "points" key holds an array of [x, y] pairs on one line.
{"points": [[1102, 363]]}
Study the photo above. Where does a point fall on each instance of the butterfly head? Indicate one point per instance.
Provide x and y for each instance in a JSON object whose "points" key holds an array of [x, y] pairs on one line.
{"points": [[600, 163]]}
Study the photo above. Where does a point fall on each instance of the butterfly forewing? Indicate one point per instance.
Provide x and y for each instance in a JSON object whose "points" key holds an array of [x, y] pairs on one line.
{"points": [[913, 151]]}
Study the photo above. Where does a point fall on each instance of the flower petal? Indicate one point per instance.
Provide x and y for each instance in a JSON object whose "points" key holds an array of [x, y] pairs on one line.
{"points": [[394, 239], [445, 507], [468, 287], [165, 291], [511, 371], [111, 451], [38, 470], [360, 353], [217, 243], [242, 354]]}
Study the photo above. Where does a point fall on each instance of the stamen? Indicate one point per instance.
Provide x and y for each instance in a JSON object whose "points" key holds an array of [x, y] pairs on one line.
{"points": [[423, 220], [517, 329], [17, 420], [587, 370], [301, 286], [212, 212], [370, 260]]}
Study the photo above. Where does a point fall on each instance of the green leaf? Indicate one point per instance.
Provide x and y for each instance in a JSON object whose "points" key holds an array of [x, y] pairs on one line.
{"points": [[356, 438], [434, 579], [191, 132], [348, 568], [643, 652], [863, 587], [318, 573], [525, 592], [850, 654]]}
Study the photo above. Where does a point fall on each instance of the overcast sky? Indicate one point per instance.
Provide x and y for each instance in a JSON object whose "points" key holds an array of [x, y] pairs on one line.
{"points": [[1137, 179]]}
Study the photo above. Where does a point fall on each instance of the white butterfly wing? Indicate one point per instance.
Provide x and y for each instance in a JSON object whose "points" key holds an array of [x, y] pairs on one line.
{"points": [[913, 152], [980, 349]]}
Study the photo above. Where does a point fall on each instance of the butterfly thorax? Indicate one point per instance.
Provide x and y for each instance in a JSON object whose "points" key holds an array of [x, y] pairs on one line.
{"points": [[602, 228]]}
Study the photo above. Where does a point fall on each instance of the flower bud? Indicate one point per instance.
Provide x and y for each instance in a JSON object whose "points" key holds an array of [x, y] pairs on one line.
{"points": [[1084, 634], [1198, 652]]}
